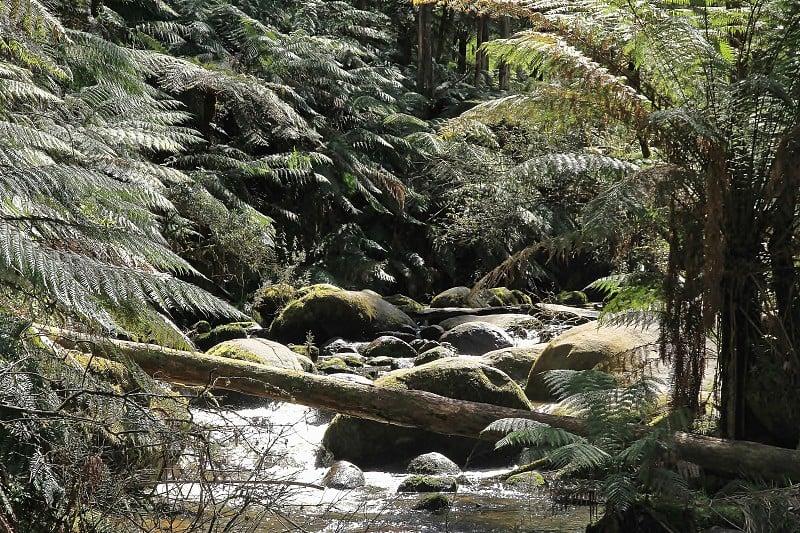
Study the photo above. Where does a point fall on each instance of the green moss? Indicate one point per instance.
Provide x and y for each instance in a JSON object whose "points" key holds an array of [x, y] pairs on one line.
{"points": [[575, 298], [526, 480], [520, 298], [107, 370], [230, 351], [329, 365], [459, 378], [499, 296], [417, 483], [327, 311], [225, 332], [308, 350], [435, 503], [270, 299], [405, 303]]}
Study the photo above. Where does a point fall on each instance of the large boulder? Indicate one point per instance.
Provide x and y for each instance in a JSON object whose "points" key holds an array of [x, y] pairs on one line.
{"points": [[326, 311], [262, 351], [458, 297], [369, 443], [516, 361], [614, 349], [477, 338]]}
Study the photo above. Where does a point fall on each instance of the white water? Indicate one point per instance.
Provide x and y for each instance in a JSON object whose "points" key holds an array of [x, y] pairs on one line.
{"points": [[271, 453]]}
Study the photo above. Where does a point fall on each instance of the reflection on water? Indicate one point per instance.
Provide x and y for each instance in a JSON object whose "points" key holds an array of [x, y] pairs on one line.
{"points": [[271, 469]]}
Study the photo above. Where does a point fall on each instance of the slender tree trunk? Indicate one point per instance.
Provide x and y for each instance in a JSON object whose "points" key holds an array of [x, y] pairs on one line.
{"points": [[462, 37], [425, 50], [481, 60], [505, 68], [411, 408], [445, 36]]}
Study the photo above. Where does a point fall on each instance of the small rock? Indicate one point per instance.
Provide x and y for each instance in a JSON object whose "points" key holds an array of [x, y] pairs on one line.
{"points": [[433, 463], [343, 475], [389, 346], [440, 352], [335, 346], [435, 503], [477, 338], [433, 332], [526, 480]]}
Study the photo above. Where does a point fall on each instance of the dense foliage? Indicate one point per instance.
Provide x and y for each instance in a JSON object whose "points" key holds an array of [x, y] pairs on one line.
{"points": [[161, 160]]}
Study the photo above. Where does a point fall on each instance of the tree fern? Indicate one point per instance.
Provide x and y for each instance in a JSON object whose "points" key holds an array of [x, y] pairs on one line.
{"points": [[627, 465]]}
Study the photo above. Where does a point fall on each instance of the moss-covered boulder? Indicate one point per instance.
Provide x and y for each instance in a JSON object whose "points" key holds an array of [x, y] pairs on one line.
{"points": [[428, 484], [515, 361], [326, 311], [404, 303], [262, 351], [389, 346], [576, 298], [270, 299], [436, 503], [527, 481], [369, 443], [611, 349], [459, 297], [206, 336], [477, 338]]}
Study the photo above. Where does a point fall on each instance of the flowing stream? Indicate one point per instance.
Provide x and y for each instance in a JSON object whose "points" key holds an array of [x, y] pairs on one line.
{"points": [[272, 464]]}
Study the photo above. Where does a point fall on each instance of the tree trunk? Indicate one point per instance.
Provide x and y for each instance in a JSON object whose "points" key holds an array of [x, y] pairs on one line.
{"points": [[445, 36], [505, 69], [481, 61], [462, 36], [408, 407], [425, 50]]}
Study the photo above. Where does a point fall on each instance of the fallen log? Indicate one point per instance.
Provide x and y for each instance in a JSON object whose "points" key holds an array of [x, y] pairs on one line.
{"points": [[410, 408]]}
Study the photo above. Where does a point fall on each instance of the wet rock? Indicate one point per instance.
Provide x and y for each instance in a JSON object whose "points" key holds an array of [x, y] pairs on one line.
{"points": [[343, 475], [327, 311], [337, 345], [477, 338], [526, 481], [262, 351], [435, 503], [432, 332], [389, 347], [380, 361], [428, 484], [433, 463]]}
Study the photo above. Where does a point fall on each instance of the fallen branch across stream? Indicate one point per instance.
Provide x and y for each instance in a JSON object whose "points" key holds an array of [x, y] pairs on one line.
{"points": [[402, 407]]}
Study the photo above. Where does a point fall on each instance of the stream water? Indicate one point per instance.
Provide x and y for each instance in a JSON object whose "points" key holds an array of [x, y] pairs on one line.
{"points": [[272, 469]]}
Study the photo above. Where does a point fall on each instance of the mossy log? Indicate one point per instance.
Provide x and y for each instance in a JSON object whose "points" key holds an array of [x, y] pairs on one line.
{"points": [[411, 408]]}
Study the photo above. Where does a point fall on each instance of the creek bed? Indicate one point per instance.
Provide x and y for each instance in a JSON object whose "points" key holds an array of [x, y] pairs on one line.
{"points": [[270, 467]]}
